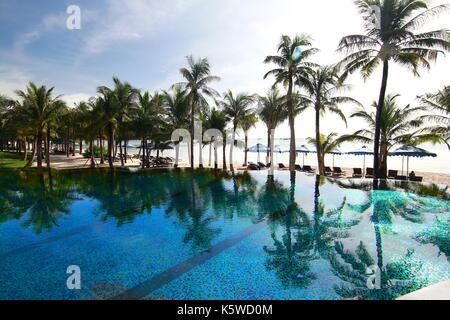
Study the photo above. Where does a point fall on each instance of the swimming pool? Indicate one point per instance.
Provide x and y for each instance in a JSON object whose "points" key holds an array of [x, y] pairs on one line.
{"points": [[206, 235]]}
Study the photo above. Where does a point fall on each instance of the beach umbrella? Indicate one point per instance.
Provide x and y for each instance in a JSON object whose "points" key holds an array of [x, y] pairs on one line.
{"points": [[278, 150], [334, 153], [258, 148], [411, 152], [362, 151], [130, 146], [304, 150], [162, 146]]}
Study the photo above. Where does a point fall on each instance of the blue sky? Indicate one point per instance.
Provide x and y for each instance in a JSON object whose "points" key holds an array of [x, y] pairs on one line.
{"points": [[145, 42]]}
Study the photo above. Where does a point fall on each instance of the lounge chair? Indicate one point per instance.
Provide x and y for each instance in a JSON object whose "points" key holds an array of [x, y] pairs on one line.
{"points": [[393, 174], [253, 167], [328, 171], [308, 169], [402, 178], [416, 179], [261, 165], [370, 173], [357, 173], [298, 167], [282, 166], [337, 171]]}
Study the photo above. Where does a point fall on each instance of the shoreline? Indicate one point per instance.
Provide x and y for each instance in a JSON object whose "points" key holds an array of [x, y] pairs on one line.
{"points": [[61, 162]]}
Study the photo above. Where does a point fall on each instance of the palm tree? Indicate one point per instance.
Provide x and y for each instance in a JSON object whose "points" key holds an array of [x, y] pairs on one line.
{"points": [[439, 102], [198, 78], [108, 108], [322, 88], [392, 36], [39, 106], [247, 123], [87, 116], [272, 111], [126, 97], [326, 144], [217, 119], [236, 109], [177, 111], [142, 121], [399, 126], [290, 71]]}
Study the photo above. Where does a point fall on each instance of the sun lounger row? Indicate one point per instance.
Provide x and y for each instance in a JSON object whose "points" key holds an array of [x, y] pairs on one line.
{"points": [[392, 175], [337, 172]]}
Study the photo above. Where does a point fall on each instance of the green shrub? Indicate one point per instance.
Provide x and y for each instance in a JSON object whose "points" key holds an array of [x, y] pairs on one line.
{"points": [[87, 152]]}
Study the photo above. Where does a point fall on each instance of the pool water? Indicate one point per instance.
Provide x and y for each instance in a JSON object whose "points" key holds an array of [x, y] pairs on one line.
{"points": [[211, 235]]}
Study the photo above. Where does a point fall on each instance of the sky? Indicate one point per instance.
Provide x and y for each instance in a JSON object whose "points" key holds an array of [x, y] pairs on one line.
{"points": [[145, 42]]}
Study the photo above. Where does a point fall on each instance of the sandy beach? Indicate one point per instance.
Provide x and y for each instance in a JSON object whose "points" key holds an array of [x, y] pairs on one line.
{"points": [[61, 162]]}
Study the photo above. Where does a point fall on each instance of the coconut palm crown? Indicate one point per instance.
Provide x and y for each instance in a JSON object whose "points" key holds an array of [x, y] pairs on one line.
{"points": [[391, 35]]}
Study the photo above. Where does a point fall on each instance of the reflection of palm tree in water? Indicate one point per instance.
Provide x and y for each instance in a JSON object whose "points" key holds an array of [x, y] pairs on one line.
{"points": [[292, 255], [197, 224], [207, 200], [399, 277], [48, 202], [289, 261], [304, 239]]}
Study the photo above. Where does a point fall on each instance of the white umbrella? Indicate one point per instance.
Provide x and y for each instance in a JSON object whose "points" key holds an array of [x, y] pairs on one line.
{"points": [[258, 149], [362, 151], [337, 152], [305, 151], [411, 152]]}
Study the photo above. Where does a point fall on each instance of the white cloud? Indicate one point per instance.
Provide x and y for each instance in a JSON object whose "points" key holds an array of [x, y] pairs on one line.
{"points": [[75, 98], [132, 20], [13, 78]]}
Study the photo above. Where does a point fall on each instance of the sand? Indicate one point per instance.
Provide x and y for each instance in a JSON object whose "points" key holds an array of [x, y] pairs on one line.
{"points": [[61, 162]]}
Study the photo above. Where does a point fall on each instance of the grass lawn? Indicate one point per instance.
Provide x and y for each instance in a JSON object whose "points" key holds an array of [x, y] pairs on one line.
{"points": [[11, 160]]}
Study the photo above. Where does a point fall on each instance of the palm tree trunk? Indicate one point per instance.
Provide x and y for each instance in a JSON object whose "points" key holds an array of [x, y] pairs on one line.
{"points": [[383, 158], [81, 146], [268, 146], [143, 153], [125, 151], [246, 147], [292, 152], [232, 147], [67, 142], [121, 154], [25, 149], [200, 155], [376, 158], [210, 154], [320, 155], [91, 147], [224, 165], [47, 149], [73, 143], [110, 145], [39, 148], [216, 164], [102, 158], [192, 135], [177, 154], [33, 154]]}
